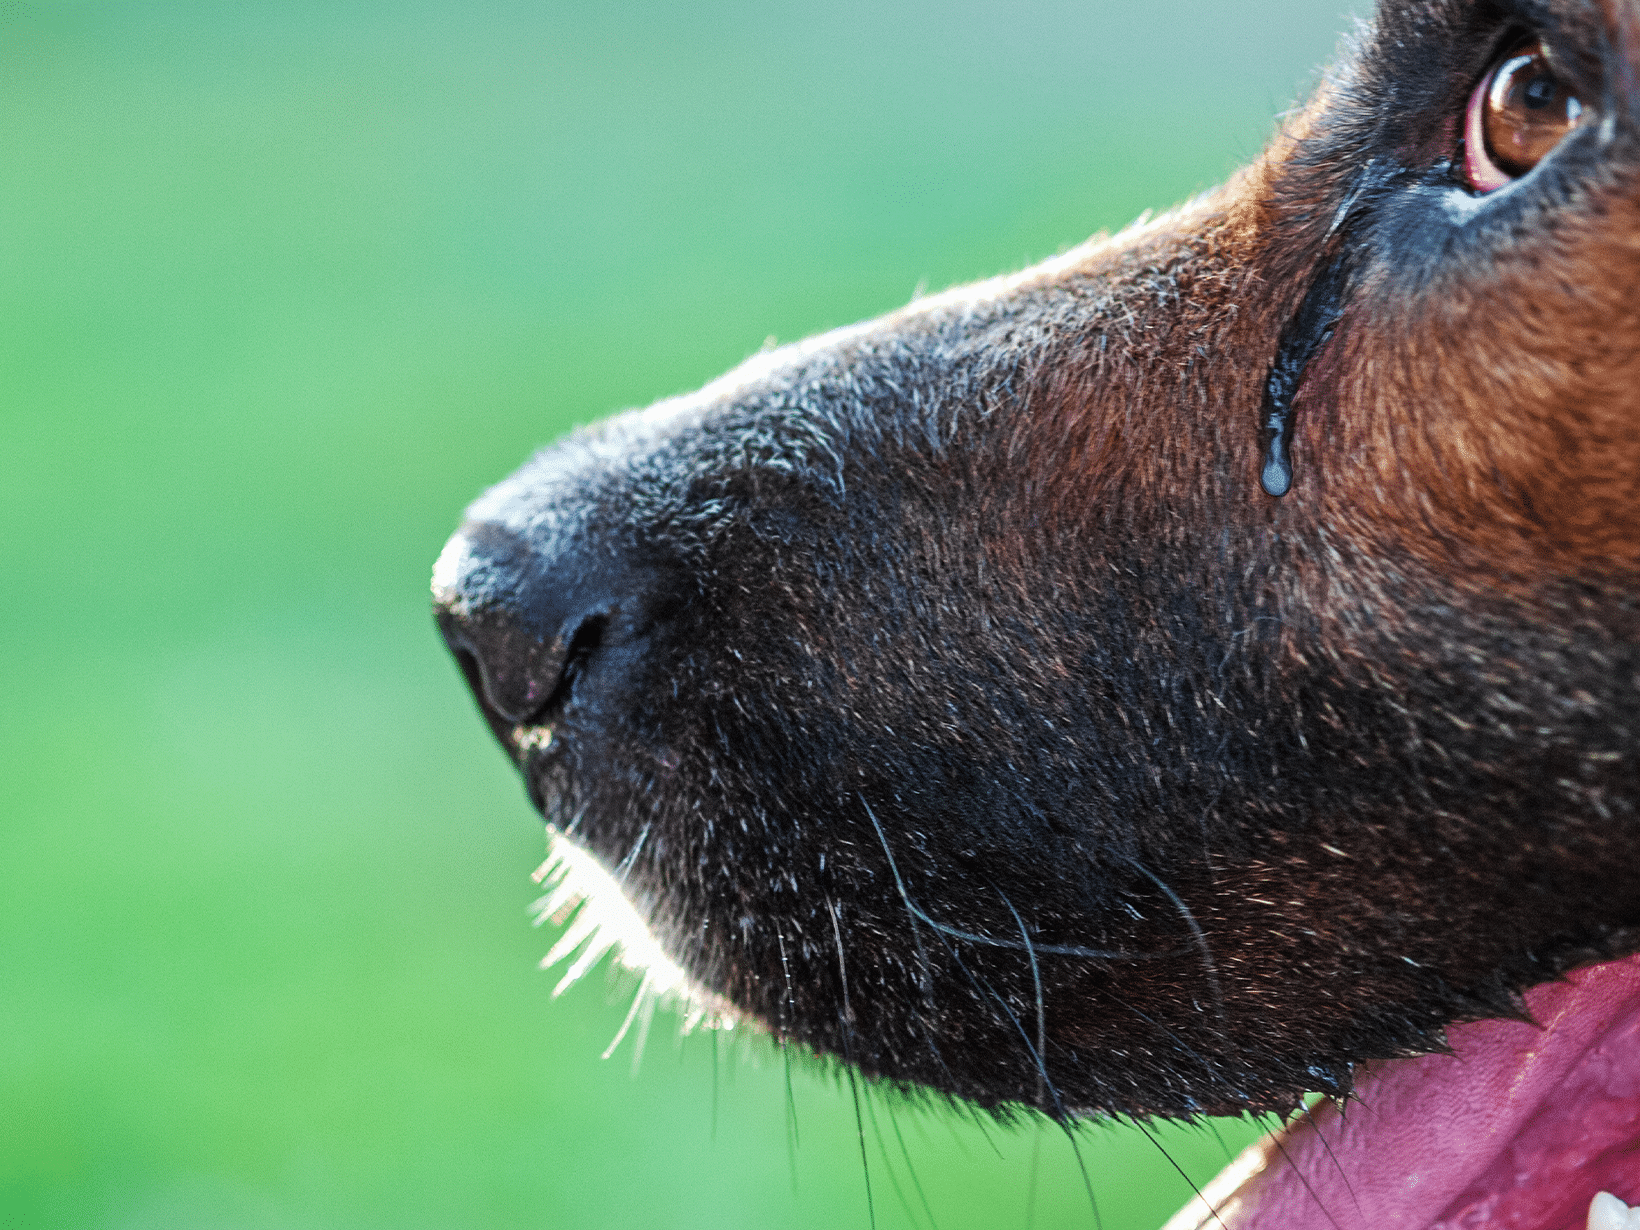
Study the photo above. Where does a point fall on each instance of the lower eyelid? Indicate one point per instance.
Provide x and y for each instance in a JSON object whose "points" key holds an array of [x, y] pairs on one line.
{"points": [[1481, 173]]}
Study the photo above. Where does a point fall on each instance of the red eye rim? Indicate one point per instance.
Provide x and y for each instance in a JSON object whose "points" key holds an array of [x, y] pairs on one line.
{"points": [[1482, 174]]}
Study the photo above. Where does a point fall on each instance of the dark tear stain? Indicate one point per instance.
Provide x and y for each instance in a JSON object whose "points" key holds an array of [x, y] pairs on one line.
{"points": [[1301, 338]]}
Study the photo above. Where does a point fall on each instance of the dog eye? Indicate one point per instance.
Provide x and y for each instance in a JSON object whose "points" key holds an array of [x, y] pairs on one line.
{"points": [[1517, 114]]}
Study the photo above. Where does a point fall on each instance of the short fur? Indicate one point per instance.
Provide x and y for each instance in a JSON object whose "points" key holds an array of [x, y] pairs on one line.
{"points": [[954, 701]]}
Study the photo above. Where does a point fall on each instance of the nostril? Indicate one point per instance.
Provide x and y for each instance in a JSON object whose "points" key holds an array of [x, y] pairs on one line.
{"points": [[467, 660], [533, 623], [511, 672], [473, 673], [515, 679], [586, 642]]}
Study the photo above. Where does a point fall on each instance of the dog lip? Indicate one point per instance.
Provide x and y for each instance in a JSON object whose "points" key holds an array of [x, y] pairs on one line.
{"points": [[533, 749], [1519, 1125]]}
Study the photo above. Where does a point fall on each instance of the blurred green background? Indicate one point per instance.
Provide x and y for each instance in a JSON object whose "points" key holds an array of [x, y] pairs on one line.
{"points": [[282, 286]]}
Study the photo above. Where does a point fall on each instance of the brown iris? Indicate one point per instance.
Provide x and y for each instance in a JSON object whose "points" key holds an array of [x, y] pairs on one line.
{"points": [[1524, 110]]}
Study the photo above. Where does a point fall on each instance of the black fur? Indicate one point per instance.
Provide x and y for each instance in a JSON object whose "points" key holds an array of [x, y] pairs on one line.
{"points": [[953, 700]]}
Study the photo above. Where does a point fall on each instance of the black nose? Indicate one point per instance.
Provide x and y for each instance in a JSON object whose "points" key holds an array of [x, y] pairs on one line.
{"points": [[517, 622], [547, 615]]}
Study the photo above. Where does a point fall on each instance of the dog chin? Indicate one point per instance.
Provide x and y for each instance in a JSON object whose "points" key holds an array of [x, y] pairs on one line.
{"points": [[1505, 1129], [1509, 1127]]}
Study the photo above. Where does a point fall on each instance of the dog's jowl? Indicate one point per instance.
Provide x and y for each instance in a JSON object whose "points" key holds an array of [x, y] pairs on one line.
{"points": [[1202, 669]]}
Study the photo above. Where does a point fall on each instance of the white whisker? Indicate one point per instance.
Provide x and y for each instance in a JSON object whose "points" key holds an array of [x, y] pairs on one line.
{"points": [[600, 918]]}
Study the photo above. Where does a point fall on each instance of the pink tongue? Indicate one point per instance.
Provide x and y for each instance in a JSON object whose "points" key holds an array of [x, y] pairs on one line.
{"points": [[1519, 1127]]}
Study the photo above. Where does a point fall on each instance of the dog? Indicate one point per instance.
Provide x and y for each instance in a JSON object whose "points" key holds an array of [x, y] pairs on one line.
{"points": [[1195, 672]]}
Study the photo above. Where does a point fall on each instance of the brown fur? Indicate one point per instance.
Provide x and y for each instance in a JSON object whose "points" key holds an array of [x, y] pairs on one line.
{"points": [[953, 701]]}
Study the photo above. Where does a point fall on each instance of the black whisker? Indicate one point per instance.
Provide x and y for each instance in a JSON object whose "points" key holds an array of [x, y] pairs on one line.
{"points": [[911, 1170], [785, 1048], [1057, 950], [1082, 1165], [847, 1021], [1316, 1128], [1171, 1162], [1223, 1148], [986, 990], [860, 1128], [924, 971], [1030, 1048], [791, 1116], [888, 1162], [1177, 1041], [1036, 983], [1208, 967], [979, 1122], [1275, 1139]]}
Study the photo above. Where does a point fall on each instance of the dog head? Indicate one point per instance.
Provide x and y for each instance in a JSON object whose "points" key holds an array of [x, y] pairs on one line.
{"points": [[1162, 681]]}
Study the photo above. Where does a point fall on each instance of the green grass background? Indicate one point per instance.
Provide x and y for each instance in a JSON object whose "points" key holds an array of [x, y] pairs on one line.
{"points": [[282, 286]]}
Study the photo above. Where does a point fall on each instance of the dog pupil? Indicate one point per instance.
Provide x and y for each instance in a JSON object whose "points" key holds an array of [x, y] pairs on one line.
{"points": [[1540, 91]]}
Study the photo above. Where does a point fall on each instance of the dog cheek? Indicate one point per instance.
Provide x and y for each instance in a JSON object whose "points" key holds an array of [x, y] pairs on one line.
{"points": [[1491, 427]]}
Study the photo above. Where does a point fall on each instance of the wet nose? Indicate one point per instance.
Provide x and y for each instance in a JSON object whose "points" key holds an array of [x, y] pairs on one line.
{"points": [[499, 616], [517, 621]]}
